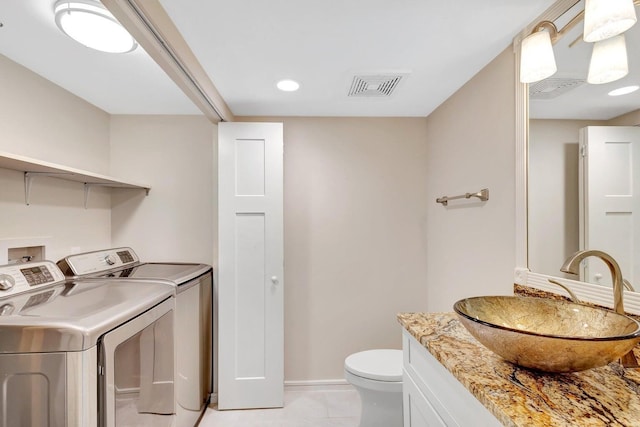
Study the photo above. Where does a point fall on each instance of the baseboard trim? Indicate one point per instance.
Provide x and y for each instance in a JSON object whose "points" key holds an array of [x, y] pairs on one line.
{"points": [[318, 385], [213, 398]]}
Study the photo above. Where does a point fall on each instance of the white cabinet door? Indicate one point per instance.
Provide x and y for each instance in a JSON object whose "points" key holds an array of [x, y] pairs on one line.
{"points": [[609, 199], [250, 270], [433, 397], [418, 412]]}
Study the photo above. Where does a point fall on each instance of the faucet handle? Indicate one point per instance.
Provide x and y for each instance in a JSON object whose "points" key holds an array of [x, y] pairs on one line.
{"points": [[627, 285], [572, 296]]}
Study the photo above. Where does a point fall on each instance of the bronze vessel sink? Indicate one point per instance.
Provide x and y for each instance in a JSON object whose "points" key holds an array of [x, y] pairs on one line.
{"points": [[546, 334]]}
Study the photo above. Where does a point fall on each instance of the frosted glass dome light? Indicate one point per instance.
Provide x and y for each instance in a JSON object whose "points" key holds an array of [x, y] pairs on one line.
{"points": [[89, 23]]}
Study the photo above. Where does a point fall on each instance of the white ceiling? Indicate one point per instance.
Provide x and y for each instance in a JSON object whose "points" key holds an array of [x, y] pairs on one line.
{"points": [[247, 45]]}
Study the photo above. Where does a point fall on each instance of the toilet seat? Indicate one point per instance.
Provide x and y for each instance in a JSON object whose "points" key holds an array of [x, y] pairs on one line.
{"points": [[380, 365]]}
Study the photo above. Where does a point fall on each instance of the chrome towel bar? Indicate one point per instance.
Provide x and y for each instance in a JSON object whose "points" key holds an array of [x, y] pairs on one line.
{"points": [[483, 195]]}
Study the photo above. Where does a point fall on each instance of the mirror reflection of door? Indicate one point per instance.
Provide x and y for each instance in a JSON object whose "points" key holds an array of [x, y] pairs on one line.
{"points": [[609, 199]]}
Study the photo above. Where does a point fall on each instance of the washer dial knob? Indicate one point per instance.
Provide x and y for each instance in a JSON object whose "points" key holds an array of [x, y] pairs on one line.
{"points": [[110, 259], [6, 282]]}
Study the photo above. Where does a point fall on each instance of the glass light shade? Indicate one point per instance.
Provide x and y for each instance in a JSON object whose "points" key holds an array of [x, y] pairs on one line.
{"points": [[608, 61], [607, 18], [537, 61], [90, 24]]}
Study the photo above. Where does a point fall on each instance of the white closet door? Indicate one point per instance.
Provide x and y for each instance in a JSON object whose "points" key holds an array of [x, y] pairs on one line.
{"points": [[610, 199], [250, 270]]}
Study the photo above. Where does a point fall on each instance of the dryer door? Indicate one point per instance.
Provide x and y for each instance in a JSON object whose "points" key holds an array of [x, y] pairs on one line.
{"points": [[137, 363]]}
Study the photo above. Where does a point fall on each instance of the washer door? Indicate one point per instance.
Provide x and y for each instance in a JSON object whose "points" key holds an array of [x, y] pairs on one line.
{"points": [[137, 364]]}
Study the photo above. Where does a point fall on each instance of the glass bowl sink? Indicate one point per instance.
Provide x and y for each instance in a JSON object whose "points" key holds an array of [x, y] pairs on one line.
{"points": [[546, 334]]}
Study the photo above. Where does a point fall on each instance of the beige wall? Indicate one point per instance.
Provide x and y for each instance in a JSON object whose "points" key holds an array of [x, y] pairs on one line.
{"points": [[43, 121], [364, 238], [355, 203], [471, 246], [175, 155], [629, 119]]}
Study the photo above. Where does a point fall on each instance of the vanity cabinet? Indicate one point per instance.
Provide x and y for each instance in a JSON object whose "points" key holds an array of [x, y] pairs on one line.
{"points": [[432, 396]]}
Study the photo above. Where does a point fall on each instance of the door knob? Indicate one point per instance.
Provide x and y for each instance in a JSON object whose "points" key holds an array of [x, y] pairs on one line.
{"points": [[274, 280]]}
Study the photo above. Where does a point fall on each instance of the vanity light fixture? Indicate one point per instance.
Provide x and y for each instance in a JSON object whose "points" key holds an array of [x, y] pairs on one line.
{"points": [[607, 18], [624, 90], [537, 61], [604, 20], [89, 23], [608, 61], [288, 85]]}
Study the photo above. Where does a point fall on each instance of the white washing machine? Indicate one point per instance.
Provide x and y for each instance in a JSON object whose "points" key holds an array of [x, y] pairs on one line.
{"points": [[66, 346], [195, 338]]}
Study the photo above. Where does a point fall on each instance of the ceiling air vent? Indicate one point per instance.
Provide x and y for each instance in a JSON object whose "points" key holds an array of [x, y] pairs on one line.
{"points": [[379, 85], [553, 87]]}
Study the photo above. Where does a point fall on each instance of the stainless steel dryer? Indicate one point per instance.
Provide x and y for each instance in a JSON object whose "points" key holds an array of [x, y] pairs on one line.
{"points": [[65, 350], [194, 327]]}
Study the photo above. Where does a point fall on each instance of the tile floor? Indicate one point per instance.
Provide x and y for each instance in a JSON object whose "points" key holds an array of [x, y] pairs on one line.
{"points": [[334, 408]]}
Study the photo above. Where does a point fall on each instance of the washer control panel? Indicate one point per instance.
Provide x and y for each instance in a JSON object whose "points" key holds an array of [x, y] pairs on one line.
{"points": [[92, 263], [18, 278]]}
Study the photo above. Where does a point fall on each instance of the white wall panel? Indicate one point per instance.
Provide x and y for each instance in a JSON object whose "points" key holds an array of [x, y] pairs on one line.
{"points": [[250, 167], [250, 299]]}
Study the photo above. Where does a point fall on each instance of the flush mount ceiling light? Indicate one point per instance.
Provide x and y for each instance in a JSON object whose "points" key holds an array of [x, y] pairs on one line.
{"points": [[624, 90], [608, 61], [90, 24], [288, 85], [607, 18]]}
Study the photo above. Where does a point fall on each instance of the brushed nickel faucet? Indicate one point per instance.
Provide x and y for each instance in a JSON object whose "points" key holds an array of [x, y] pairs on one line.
{"points": [[572, 265]]}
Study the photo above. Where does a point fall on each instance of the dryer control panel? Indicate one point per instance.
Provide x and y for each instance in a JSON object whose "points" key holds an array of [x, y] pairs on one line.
{"points": [[18, 278], [93, 263]]}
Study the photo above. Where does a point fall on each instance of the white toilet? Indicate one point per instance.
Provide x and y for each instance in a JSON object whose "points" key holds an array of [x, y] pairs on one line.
{"points": [[377, 375]]}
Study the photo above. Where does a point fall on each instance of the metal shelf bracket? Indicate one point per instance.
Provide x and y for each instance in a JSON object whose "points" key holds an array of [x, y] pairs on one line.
{"points": [[28, 179]]}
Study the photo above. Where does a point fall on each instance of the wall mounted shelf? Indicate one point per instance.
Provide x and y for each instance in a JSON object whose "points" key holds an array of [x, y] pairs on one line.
{"points": [[34, 168]]}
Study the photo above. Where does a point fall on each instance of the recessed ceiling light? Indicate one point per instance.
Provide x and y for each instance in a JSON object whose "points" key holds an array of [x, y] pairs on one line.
{"points": [[288, 85], [624, 90], [89, 23]]}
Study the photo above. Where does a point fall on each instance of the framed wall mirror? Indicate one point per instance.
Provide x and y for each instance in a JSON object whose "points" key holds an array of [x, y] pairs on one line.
{"points": [[557, 213]]}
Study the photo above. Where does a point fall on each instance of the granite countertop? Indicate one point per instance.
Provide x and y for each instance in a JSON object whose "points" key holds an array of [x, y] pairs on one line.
{"points": [[606, 396]]}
